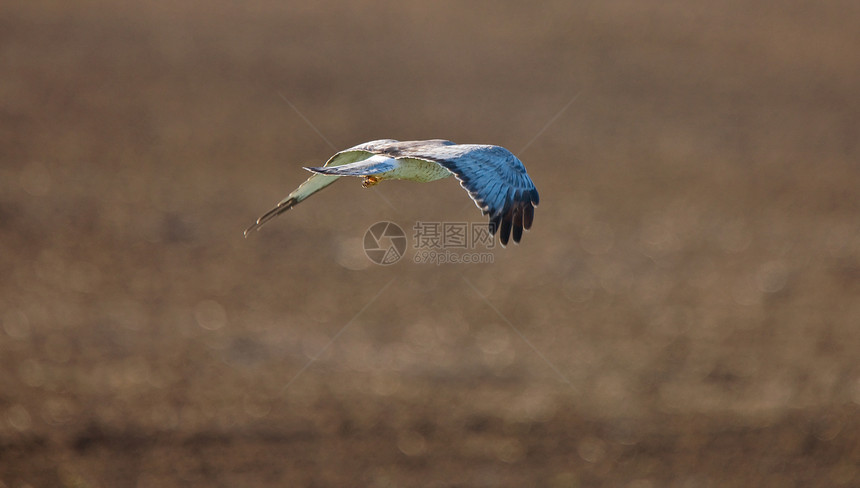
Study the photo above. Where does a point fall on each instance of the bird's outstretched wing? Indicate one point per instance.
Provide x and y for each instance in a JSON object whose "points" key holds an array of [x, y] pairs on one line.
{"points": [[317, 181], [494, 178]]}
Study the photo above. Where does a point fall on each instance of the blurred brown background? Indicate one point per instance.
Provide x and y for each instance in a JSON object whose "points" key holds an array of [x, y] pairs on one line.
{"points": [[691, 287]]}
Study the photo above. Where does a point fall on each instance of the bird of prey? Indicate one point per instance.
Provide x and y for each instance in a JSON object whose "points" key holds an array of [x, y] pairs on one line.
{"points": [[496, 180]]}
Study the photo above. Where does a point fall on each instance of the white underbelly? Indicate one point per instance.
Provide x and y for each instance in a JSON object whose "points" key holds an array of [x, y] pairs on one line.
{"points": [[416, 170]]}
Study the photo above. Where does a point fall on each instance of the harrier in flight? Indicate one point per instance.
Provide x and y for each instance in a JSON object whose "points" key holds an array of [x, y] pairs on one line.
{"points": [[496, 180]]}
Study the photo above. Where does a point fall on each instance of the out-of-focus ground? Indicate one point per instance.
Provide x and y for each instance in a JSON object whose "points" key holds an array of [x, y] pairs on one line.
{"points": [[685, 311]]}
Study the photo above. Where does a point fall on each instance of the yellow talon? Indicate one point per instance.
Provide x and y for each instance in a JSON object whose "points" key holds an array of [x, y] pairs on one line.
{"points": [[369, 181]]}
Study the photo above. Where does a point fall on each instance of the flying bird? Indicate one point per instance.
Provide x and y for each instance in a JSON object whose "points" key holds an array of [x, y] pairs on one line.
{"points": [[494, 178]]}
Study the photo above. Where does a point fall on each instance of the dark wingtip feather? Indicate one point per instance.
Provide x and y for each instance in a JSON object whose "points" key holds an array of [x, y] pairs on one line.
{"points": [[505, 231], [281, 208], [517, 224], [528, 216], [535, 197], [495, 223]]}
